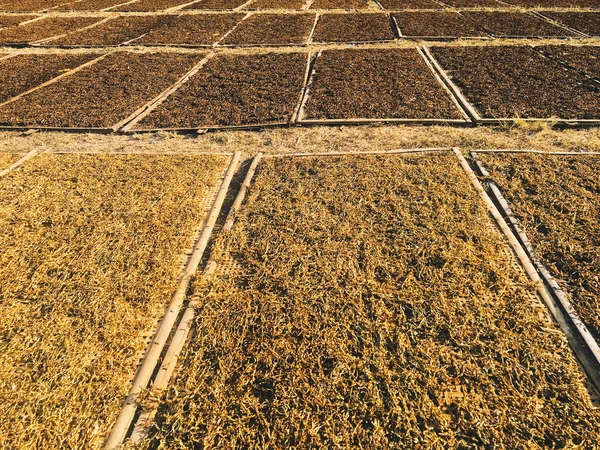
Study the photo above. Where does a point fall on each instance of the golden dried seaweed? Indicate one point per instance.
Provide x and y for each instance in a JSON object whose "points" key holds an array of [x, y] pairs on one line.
{"points": [[91, 248], [374, 307], [557, 201]]}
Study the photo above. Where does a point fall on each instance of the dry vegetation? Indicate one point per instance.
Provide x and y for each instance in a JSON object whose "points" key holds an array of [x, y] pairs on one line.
{"points": [[6, 159], [81, 238], [372, 291], [557, 200], [316, 139]]}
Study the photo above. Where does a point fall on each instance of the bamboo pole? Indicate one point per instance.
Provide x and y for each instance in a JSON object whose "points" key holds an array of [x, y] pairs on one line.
{"points": [[16, 164], [148, 365], [586, 355], [169, 363]]}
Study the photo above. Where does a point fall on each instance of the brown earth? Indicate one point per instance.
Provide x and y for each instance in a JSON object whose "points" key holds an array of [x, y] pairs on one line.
{"points": [[438, 24], [339, 4], [45, 28], [235, 90], [584, 58], [23, 72], [355, 27], [374, 308], [512, 82], [588, 22], [192, 29], [272, 29], [114, 32], [102, 94], [557, 201], [376, 84], [510, 24]]}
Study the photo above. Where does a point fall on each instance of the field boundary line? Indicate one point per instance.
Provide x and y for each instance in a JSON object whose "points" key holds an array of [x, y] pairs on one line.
{"points": [[141, 152], [16, 164], [584, 347], [306, 92], [358, 153], [54, 80], [479, 120], [42, 42], [459, 97], [169, 363], [179, 7], [133, 119], [243, 6], [443, 85], [309, 40], [218, 42], [144, 372], [558, 24], [539, 152], [177, 344], [111, 8], [307, 77]]}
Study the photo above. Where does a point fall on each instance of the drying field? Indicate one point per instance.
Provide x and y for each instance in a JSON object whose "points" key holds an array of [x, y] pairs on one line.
{"points": [[112, 32], [353, 28], [372, 307], [6, 159], [23, 72], [584, 59], [99, 95], [81, 236], [43, 29], [242, 90], [436, 24], [502, 82], [559, 212], [374, 84], [588, 23], [272, 29]]}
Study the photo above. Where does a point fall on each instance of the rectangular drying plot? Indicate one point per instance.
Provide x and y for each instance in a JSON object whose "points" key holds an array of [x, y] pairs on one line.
{"points": [[235, 90], [586, 22], [557, 202], [436, 24], [376, 84], [100, 95], [44, 28], [24, 72], [372, 300], [200, 29], [516, 24], [356, 27], [339, 4], [113, 32], [518, 82], [272, 29], [585, 58], [91, 251]]}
